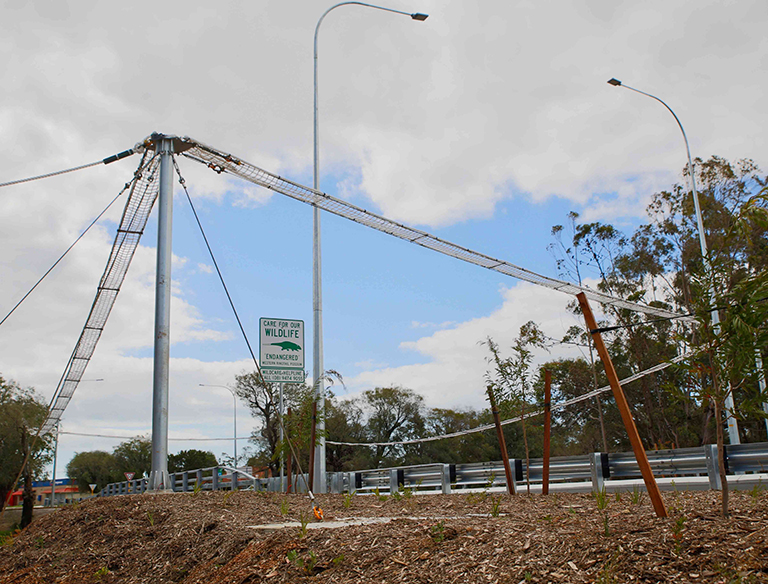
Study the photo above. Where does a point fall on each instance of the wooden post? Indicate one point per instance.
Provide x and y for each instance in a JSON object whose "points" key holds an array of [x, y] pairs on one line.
{"points": [[502, 442], [626, 413], [289, 469], [547, 428]]}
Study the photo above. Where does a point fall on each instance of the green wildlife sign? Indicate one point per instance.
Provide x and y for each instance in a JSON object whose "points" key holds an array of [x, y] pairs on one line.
{"points": [[281, 350]]}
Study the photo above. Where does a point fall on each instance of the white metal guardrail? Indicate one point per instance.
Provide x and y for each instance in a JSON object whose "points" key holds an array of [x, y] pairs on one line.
{"points": [[683, 468]]}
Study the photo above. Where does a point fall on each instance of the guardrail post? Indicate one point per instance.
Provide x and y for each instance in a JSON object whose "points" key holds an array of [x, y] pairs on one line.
{"points": [[713, 467], [143, 485], [185, 481], [172, 478], [445, 479], [517, 471], [393, 483], [336, 478], [597, 468], [234, 480], [215, 478], [199, 478]]}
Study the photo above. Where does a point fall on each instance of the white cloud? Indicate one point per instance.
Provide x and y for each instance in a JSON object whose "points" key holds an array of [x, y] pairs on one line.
{"points": [[456, 360]]}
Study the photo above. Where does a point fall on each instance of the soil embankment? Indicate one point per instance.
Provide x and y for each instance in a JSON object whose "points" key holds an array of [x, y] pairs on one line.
{"points": [[209, 538]]}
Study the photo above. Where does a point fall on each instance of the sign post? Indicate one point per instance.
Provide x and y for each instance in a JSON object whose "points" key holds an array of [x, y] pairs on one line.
{"points": [[281, 350]]}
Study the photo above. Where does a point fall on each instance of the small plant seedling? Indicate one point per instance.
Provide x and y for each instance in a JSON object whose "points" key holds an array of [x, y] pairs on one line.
{"points": [[496, 506], [196, 488], [308, 565], [378, 494], [491, 480], [227, 496], [636, 496], [101, 572], [338, 560], [304, 519], [571, 510], [677, 532], [601, 498], [618, 496], [39, 542], [756, 491], [348, 500], [438, 531], [528, 576], [284, 507], [151, 517], [397, 496]]}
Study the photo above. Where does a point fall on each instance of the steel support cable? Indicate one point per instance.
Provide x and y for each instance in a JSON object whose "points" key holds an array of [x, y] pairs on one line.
{"points": [[227, 439], [56, 263], [182, 182], [107, 160], [140, 201], [223, 162], [533, 414]]}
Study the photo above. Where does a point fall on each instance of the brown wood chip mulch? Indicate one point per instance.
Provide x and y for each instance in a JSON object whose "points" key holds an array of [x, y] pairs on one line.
{"points": [[208, 538]]}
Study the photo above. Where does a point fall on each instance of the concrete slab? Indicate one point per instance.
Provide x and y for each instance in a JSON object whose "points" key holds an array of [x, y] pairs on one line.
{"points": [[336, 524]]}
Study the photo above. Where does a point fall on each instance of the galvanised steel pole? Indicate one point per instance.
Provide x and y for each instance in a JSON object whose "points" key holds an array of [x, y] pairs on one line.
{"points": [[282, 438], [733, 427], [317, 293], [159, 480]]}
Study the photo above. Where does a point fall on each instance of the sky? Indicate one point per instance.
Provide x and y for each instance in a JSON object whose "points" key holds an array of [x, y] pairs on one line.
{"points": [[484, 125]]}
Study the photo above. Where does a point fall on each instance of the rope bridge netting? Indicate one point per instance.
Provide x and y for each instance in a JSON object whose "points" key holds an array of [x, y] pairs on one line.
{"points": [[144, 192]]}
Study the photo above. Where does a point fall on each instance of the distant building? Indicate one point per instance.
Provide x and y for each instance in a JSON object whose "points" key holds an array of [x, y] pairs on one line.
{"points": [[66, 492]]}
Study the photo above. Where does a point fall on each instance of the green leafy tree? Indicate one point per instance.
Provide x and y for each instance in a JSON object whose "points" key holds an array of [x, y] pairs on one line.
{"points": [[22, 411], [510, 380], [134, 455], [191, 460], [393, 414], [93, 467]]}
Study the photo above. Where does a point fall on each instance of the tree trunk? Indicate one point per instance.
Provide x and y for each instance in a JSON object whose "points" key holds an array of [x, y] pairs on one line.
{"points": [[28, 497]]}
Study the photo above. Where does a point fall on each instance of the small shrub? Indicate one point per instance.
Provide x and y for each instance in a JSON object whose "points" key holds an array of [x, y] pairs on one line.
{"points": [[601, 498], [636, 496], [304, 520], [101, 572], [348, 500], [151, 517], [496, 506], [284, 507], [677, 533], [306, 565], [197, 487], [437, 531]]}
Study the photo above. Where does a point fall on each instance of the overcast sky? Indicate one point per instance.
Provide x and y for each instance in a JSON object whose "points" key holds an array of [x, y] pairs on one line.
{"points": [[486, 124]]}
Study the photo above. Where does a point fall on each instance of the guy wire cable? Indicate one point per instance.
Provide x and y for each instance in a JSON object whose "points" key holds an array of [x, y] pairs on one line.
{"points": [[317, 511]]}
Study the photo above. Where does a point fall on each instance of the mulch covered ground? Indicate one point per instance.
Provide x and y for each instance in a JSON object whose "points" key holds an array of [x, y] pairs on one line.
{"points": [[208, 538]]}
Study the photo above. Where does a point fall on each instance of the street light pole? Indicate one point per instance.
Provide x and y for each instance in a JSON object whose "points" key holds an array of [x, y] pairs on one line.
{"points": [[733, 427], [317, 295], [234, 413]]}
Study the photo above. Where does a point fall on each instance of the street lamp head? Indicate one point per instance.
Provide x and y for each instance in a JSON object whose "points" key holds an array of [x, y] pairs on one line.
{"points": [[613, 81], [419, 16]]}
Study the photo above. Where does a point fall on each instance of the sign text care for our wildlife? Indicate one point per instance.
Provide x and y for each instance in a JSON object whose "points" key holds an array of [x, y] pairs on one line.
{"points": [[281, 348]]}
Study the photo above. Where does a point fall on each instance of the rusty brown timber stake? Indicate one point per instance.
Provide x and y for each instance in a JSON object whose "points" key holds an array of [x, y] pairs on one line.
{"points": [[289, 469], [547, 428], [502, 442], [626, 413]]}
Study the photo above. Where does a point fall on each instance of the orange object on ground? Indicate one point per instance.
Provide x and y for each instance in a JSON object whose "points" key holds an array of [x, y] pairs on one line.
{"points": [[318, 513]]}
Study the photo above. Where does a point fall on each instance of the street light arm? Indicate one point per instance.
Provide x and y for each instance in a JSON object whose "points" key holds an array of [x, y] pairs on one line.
{"points": [[700, 223]]}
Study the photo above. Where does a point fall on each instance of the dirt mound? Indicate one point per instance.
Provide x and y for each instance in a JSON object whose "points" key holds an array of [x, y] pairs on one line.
{"points": [[209, 538]]}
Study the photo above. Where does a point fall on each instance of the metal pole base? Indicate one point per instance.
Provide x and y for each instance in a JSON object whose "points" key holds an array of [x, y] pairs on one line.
{"points": [[159, 482]]}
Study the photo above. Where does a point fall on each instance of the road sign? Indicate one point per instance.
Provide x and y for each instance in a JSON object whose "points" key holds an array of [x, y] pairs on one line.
{"points": [[93, 486], [129, 475], [281, 350]]}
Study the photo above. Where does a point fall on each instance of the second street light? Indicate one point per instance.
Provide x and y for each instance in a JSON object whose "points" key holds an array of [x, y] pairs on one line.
{"points": [[234, 414], [317, 295], [733, 428]]}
